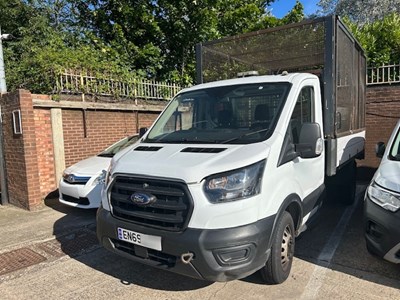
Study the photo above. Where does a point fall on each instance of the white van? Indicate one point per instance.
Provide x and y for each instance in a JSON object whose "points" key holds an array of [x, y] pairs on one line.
{"points": [[382, 202], [231, 171]]}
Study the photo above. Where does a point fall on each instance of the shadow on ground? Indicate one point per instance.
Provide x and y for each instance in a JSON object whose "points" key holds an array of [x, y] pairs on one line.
{"points": [[76, 234], [350, 256]]}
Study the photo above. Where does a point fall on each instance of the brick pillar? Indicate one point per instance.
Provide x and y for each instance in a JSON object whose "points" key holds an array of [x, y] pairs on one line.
{"points": [[20, 151]]}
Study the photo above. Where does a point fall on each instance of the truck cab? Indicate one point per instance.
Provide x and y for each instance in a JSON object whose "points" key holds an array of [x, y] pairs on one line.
{"points": [[219, 180]]}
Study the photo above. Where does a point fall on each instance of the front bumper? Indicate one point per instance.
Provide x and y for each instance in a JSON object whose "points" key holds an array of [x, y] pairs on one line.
{"points": [[382, 231], [219, 254], [80, 195]]}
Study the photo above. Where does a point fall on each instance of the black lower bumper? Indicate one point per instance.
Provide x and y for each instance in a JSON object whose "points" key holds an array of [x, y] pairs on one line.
{"points": [[382, 231], [218, 255]]}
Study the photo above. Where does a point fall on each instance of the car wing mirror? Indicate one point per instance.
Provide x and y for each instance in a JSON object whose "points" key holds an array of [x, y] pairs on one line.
{"points": [[380, 149], [142, 131], [310, 143]]}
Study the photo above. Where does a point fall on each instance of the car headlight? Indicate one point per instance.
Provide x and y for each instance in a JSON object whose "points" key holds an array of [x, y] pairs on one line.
{"points": [[101, 179], [384, 198], [234, 185]]}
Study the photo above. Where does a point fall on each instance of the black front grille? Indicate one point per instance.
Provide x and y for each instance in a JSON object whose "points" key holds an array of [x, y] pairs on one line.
{"points": [[153, 255], [171, 210]]}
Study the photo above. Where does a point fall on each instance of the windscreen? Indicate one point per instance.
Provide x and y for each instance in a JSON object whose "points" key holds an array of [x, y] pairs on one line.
{"points": [[118, 146], [235, 114], [394, 153]]}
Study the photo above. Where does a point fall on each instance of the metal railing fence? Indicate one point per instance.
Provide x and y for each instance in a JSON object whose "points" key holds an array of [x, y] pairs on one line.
{"points": [[386, 74], [78, 82]]}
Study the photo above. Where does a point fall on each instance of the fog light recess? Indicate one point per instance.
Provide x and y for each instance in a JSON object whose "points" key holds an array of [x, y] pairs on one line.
{"points": [[234, 255]]}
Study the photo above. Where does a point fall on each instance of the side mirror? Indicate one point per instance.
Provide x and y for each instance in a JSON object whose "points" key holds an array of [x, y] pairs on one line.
{"points": [[310, 143], [142, 131], [380, 149]]}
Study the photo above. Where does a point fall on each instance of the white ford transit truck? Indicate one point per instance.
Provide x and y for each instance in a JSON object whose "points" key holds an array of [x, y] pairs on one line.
{"points": [[233, 168]]}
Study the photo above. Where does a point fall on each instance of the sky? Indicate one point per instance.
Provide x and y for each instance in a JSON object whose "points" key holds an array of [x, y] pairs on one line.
{"points": [[281, 7]]}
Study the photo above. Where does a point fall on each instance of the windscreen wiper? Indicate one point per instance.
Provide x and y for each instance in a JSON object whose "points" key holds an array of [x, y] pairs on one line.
{"points": [[106, 154], [244, 135]]}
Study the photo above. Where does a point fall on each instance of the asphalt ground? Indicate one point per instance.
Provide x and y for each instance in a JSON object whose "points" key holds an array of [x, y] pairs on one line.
{"points": [[52, 253]]}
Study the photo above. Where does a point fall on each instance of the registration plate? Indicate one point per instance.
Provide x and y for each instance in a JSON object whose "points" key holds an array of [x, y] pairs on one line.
{"points": [[137, 238]]}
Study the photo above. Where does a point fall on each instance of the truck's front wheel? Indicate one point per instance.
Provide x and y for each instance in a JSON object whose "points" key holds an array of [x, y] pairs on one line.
{"points": [[278, 266]]}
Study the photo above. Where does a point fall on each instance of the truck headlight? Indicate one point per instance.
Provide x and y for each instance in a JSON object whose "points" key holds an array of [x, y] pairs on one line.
{"points": [[383, 198], [235, 185]]}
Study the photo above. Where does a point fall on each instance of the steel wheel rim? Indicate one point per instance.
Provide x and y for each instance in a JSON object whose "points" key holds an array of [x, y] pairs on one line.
{"points": [[287, 247]]}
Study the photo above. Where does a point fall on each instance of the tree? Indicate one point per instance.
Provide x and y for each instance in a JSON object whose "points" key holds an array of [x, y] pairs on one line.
{"points": [[42, 48], [150, 38], [296, 14], [380, 39], [159, 37], [360, 11], [375, 23], [186, 23]]}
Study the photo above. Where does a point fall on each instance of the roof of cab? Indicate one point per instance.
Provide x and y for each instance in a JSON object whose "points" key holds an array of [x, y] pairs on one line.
{"points": [[291, 78]]}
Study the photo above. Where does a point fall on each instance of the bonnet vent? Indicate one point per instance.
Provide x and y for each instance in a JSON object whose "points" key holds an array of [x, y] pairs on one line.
{"points": [[203, 150], [147, 148]]}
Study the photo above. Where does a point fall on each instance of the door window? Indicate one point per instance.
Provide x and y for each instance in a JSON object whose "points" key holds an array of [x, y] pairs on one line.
{"points": [[303, 112]]}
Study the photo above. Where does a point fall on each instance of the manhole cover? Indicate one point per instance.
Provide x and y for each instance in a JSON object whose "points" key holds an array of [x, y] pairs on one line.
{"points": [[19, 259]]}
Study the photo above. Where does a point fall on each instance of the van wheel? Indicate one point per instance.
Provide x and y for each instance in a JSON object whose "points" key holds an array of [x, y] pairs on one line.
{"points": [[350, 184], [278, 266], [342, 186]]}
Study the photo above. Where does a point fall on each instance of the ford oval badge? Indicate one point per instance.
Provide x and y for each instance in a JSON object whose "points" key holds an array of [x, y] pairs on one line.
{"points": [[143, 199]]}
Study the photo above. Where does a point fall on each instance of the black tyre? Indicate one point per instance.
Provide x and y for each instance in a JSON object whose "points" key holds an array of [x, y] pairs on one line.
{"points": [[349, 189], [278, 266], [342, 186]]}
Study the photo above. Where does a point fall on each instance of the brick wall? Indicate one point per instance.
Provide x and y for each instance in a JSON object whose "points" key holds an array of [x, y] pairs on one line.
{"points": [[103, 128], [30, 163], [20, 151], [383, 112], [44, 148]]}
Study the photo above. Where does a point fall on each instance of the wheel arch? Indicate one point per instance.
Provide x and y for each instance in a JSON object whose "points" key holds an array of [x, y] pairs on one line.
{"points": [[293, 205]]}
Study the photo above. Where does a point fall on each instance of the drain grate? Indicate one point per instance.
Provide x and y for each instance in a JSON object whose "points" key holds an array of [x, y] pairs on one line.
{"points": [[72, 244], [78, 242], [19, 259], [52, 248]]}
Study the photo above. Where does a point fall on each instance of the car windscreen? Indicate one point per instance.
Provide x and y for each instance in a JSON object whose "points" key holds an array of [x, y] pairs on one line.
{"points": [[394, 153], [234, 114], [118, 146]]}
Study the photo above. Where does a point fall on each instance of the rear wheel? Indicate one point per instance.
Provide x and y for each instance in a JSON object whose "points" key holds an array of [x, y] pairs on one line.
{"points": [[342, 186], [349, 196], [278, 266]]}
